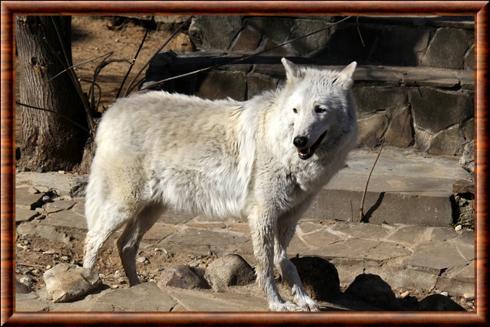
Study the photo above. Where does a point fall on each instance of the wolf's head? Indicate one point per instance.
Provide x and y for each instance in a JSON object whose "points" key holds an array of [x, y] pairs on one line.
{"points": [[317, 105]]}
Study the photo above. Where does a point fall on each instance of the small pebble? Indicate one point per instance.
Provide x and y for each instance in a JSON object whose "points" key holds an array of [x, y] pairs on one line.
{"points": [[468, 297], [61, 171], [101, 275], [114, 286], [141, 259], [458, 228], [65, 258], [48, 266], [404, 294], [117, 274], [444, 293]]}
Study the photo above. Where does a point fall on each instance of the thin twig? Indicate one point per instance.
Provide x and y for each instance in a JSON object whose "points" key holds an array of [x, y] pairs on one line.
{"points": [[97, 71], [361, 208], [167, 41], [132, 62], [233, 61], [55, 112], [359, 32], [80, 64]]}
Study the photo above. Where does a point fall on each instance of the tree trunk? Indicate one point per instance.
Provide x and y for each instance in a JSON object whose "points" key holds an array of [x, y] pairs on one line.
{"points": [[49, 140]]}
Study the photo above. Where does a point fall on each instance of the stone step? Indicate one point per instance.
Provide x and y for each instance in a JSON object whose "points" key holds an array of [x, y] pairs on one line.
{"points": [[405, 187]]}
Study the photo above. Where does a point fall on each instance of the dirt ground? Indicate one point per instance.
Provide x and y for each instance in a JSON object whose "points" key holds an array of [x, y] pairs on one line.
{"points": [[95, 36]]}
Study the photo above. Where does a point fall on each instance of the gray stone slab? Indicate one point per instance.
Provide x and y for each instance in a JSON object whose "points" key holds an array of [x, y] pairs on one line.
{"points": [[67, 218], [23, 213], [193, 300], [60, 182], [143, 297], [159, 232], [59, 205], [412, 235], [24, 198], [417, 189], [360, 230], [354, 248], [434, 256], [30, 302], [387, 250], [48, 232], [202, 241], [320, 239], [400, 276]]}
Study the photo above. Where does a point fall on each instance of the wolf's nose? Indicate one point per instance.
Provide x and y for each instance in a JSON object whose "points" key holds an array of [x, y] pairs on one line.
{"points": [[300, 141]]}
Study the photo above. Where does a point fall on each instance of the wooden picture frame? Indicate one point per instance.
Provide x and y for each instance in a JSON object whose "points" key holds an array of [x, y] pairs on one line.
{"points": [[478, 9]]}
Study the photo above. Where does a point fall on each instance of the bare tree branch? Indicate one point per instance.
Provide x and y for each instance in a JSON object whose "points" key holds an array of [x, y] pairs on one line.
{"points": [[133, 61], [167, 41], [361, 208]]}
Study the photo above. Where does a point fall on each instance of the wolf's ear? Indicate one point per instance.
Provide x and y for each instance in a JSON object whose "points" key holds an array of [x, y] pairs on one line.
{"points": [[292, 71], [345, 75]]}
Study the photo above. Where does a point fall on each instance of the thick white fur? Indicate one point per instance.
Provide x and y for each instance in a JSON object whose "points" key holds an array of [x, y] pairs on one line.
{"points": [[221, 158]]}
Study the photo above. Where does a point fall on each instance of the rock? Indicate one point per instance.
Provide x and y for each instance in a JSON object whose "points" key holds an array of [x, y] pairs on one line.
{"points": [[259, 83], [78, 190], [33, 190], [371, 99], [400, 131], [182, 276], [438, 302], [320, 278], [448, 142], [229, 270], [468, 296], [23, 214], [66, 282], [373, 290], [247, 41], [467, 160], [30, 302], [436, 109], [22, 287], [223, 84], [214, 32], [470, 59], [371, 129], [447, 48]]}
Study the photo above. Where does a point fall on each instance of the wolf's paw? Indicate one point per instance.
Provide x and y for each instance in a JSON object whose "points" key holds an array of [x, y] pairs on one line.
{"points": [[284, 306], [307, 304]]}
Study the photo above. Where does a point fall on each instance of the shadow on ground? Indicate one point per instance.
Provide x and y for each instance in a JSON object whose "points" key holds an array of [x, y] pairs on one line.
{"points": [[368, 292]]}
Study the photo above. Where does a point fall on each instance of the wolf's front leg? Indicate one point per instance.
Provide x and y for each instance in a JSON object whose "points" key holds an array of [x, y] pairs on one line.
{"points": [[285, 231], [262, 227]]}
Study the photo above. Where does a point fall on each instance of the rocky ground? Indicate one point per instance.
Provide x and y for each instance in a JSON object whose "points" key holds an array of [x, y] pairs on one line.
{"points": [[184, 262]]}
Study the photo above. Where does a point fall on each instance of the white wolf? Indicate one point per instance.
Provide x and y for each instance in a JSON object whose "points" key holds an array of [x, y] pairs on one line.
{"points": [[263, 159]]}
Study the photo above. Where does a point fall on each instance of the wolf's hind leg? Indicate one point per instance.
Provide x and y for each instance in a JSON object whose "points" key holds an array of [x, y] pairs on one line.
{"points": [[285, 232], [262, 227], [130, 239]]}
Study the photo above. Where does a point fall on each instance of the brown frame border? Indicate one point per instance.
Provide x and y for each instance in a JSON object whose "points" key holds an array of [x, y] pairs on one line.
{"points": [[479, 9]]}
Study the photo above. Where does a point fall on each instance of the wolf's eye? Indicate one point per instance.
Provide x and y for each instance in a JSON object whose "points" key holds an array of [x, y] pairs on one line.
{"points": [[295, 110], [319, 109]]}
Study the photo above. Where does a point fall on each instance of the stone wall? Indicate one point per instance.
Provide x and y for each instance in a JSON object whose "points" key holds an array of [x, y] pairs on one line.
{"points": [[417, 91]]}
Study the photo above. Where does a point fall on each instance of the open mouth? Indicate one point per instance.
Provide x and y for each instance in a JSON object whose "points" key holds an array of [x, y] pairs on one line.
{"points": [[307, 152]]}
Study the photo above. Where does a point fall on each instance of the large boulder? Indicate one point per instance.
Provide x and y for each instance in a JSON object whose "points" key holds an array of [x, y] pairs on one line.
{"points": [[182, 276]]}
